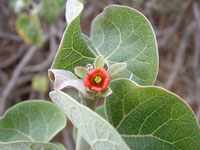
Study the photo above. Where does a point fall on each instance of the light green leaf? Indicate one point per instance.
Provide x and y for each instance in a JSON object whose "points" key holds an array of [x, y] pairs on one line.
{"points": [[100, 111], [18, 5], [81, 72], [35, 120], [40, 83], [51, 9], [75, 48], [96, 131], [122, 34], [99, 62], [30, 146], [28, 27], [151, 118], [117, 70]]}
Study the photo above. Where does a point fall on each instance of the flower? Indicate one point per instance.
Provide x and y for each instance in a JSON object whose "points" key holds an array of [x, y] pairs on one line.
{"points": [[97, 79]]}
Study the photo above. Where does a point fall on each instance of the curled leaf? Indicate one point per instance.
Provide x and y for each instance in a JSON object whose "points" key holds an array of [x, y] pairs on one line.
{"points": [[63, 79]]}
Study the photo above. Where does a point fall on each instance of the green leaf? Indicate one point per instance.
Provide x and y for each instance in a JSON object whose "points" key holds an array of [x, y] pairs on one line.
{"points": [[96, 131], [34, 120], [18, 5], [40, 83], [30, 146], [117, 70], [99, 62], [81, 72], [75, 48], [28, 27], [51, 9], [151, 118], [122, 34]]}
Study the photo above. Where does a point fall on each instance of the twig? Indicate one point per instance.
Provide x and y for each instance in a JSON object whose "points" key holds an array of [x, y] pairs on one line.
{"points": [[9, 36], [47, 62], [24, 79], [176, 25], [14, 57], [180, 55], [196, 11], [196, 60], [42, 95], [3, 77], [22, 91], [15, 75], [32, 94], [68, 138]]}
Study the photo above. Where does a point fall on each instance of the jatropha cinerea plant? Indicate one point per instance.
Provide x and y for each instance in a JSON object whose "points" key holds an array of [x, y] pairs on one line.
{"points": [[118, 63]]}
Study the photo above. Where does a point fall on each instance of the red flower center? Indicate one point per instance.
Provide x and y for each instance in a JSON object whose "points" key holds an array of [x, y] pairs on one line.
{"points": [[97, 79]]}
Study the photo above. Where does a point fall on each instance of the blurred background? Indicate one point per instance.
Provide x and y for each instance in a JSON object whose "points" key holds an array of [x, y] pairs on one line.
{"points": [[30, 35]]}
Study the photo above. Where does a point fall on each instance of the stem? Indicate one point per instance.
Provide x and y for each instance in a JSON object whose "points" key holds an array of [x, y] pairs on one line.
{"points": [[81, 144], [90, 103]]}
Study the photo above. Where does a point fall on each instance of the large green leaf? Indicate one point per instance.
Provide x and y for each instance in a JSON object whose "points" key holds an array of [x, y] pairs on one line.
{"points": [[122, 34], [35, 120], [29, 29], [30, 146], [75, 48], [51, 9], [151, 118], [96, 131]]}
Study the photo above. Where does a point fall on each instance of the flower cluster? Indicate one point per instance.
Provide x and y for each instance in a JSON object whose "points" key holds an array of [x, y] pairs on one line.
{"points": [[97, 78]]}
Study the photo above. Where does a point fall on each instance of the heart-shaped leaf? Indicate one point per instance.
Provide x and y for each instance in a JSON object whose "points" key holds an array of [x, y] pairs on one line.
{"points": [[30, 146], [122, 34], [28, 27], [151, 118], [75, 48], [35, 120], [96, 131]]}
